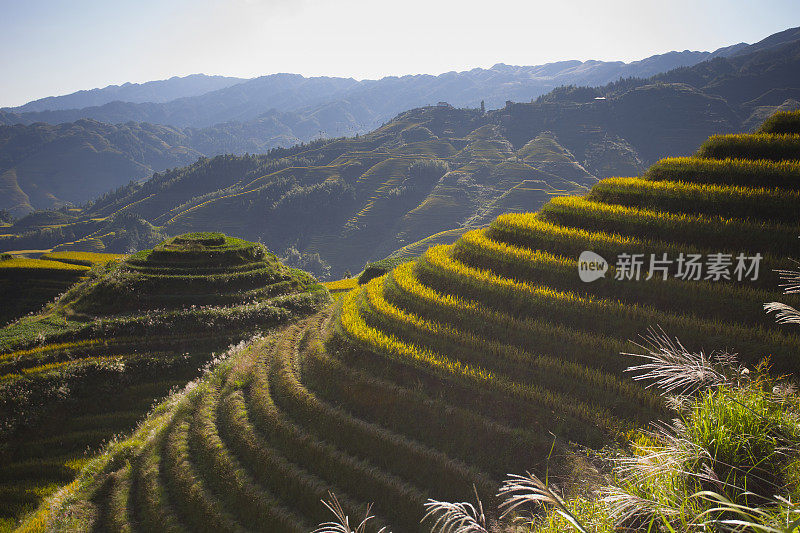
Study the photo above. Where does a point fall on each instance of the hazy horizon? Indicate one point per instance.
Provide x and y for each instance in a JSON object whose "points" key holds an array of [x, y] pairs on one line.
{"points": [[59, 47]]}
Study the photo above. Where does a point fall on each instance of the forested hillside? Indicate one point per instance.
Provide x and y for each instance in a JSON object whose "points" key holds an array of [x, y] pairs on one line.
{"points": [[50, 166], [349, 200]]}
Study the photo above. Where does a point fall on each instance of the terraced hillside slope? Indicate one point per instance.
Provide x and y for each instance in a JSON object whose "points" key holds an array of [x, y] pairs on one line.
{"points": [[477, 360], [41, 163], [92, 364], [66, 230], [27, 283], [349, 200]]}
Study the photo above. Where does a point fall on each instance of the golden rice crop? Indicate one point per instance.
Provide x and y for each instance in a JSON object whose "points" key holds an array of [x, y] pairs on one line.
{"points": [[782, 122], [341, 285], [775, 147], [40, 264], [711, 232], [354, 324], [248, 440], [82, 258], [529, 231], [457, 430], [237, 490], [62, 365], [729, 171], [684, 197], [181, 476], [626, 320], [733, 302], [528, 333], [50, 348], [421, 465], [496, 356]]}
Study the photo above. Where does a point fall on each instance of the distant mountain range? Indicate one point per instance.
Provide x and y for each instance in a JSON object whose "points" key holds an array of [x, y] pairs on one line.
{"points": [[368, 102], [604, 129], [428, 170], [152, 91]]}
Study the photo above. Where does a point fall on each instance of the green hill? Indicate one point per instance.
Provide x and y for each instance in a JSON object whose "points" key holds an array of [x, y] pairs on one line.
{"points": [[427, 171], [349, 200], [474, 361], [47, 166], [93, 363]]}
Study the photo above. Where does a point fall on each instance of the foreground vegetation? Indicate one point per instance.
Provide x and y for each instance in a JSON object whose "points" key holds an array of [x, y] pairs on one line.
{"points": [[728, 461]]}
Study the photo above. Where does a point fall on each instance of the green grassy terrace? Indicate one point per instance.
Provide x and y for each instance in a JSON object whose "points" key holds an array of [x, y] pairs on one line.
{"points": [[92, 364]]}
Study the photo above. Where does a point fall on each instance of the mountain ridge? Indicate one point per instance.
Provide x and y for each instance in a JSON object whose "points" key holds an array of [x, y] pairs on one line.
{"points": [[533, 81], [354, 200], [157, 91]]}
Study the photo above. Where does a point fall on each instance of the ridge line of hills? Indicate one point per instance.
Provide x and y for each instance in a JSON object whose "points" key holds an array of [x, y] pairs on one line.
{"points": [[380, 99], [43, 166], [157, 91], [550, 75], [369, 199]]}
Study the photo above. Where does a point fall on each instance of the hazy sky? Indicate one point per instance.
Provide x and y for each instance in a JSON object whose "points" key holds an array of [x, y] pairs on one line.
{"points": [[60, 46]]}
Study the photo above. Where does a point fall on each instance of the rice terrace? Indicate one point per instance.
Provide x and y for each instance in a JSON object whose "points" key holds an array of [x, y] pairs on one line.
{"points": [[493, 339], [577, 311]]}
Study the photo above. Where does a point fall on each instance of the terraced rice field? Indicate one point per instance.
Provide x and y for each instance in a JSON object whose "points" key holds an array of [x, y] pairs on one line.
{"points": [[341, 286], [128, 337], [27, 284], [394, 168], [415, 249], [479, 359]]}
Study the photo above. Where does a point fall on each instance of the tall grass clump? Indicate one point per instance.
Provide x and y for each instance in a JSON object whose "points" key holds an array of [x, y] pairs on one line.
{"points": [[730, 461], [733, 449], [341, 521]]}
